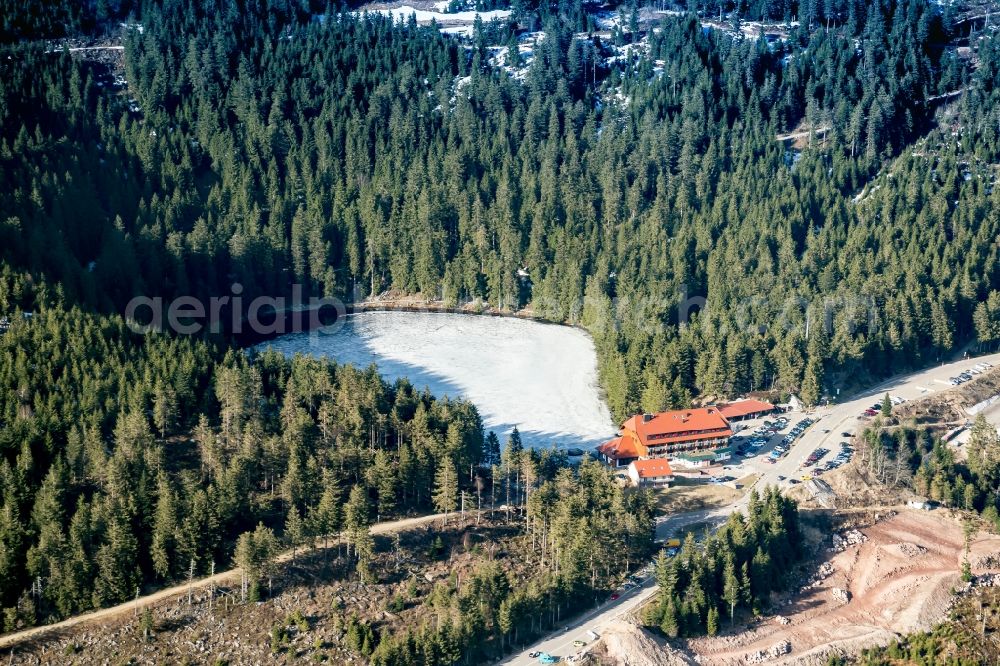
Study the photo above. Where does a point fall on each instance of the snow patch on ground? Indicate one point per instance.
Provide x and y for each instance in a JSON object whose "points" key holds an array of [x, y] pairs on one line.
{"points": [[539, 377], [460, 30], [424, 16], [526, 45]]}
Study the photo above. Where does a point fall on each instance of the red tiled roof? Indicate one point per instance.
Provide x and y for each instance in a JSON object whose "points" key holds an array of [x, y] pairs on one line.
{"points": [[619, 447], [683, 425], [652, 469], [740, 408]]}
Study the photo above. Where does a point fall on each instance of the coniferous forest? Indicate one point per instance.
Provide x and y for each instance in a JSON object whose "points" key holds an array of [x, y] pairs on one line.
{"points": [[264, 144], [740, 566], [273, 143]]}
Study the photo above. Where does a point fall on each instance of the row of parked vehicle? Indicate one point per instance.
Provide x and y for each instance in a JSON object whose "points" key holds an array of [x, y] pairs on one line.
{"points": [[815, 457], [846, 452], [787, 440], [977, 369], [797, 430]]}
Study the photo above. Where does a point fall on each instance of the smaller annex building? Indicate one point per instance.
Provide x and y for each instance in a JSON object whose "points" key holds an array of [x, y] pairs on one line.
{"points": [[652, 472], [694, 437], [743, 410]]}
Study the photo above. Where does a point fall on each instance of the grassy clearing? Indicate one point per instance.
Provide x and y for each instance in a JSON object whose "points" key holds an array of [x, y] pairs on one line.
{"points": [[695, 495]]}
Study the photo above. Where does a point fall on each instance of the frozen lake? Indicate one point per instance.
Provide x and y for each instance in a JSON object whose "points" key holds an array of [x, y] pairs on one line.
{"points": [[539, 377]]}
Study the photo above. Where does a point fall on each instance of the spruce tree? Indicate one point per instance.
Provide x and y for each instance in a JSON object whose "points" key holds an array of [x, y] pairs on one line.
{"points": [[446, 488]]}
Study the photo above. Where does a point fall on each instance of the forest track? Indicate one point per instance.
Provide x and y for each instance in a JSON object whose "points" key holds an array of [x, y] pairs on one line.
{"points": [[11, 640]]}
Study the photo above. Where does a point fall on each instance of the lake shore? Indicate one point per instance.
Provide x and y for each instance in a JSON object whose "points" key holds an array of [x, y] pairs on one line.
{"points": [[517, 371]]}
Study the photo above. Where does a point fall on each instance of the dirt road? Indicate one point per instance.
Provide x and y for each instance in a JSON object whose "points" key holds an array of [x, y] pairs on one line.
{"points": [[899, 580], [10, 640]]}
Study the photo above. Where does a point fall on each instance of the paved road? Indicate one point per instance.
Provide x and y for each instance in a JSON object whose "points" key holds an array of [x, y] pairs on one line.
{"points": [[847, 416], [830, 422], [178, 590], [560, 643]]}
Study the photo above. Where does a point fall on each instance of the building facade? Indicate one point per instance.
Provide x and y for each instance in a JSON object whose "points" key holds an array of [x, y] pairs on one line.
{"points": [[690, 436]]}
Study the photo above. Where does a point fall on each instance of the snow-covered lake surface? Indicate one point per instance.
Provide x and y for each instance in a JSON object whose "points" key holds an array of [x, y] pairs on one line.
{"points": [[539, 377]]}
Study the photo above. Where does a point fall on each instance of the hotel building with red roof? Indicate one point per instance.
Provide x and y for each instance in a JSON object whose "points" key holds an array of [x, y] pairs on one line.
{"points": [[693, 436]]}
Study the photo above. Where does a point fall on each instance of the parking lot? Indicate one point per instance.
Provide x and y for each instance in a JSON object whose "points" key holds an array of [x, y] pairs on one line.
{"points": [[763, 447], [805, 445]]}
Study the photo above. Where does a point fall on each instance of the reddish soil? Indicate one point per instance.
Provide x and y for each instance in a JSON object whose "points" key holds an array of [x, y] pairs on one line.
{"points": [[901, 579]]}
